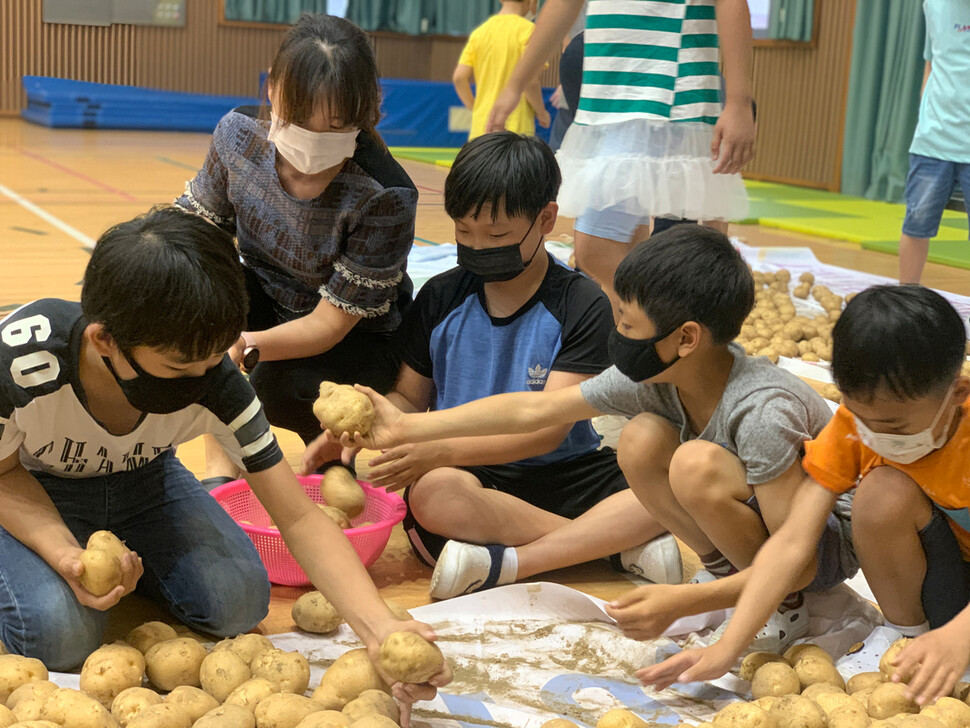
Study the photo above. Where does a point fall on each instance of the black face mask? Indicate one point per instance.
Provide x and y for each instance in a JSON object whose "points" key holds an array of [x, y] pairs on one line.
{"points": [[160, 395], [497, 264], [638, 359]]}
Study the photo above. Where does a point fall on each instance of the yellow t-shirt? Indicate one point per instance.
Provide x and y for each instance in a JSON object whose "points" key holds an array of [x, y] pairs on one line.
{"points": [[493, 49]]}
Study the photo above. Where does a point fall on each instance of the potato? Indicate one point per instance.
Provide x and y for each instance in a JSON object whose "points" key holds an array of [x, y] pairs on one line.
{"points": [[810, 356], [813, 691], [375, 721], [31, 691], [811, 671], [375, 701], [830, 702], [743, 715], [283, 710], [341, 408], [194, 701], [336, 515], [247, 646], [889, 699], [920, 721], [765, 703], [889, 657], [801, 291], [164, 715], [289, 671], [769, 354], [107, 541], [111, 669], [313, 613], [146, 636], [222, 672], [559, 723], [325, 719], [863, 696], [410, 658], [950, 712], [619, 718], [340, 489], [755, 660], [864, 680], [102, 571], [7, 718], [251, 692], [132, 701], [804, 650], [350, 675], [797, 711], [848, 717], [74, 709], [807, 277], [36, 724], [175, 662], [775, 678], [227, 716], [16, 671]]}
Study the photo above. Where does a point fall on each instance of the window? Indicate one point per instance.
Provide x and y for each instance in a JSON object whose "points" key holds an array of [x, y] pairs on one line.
{"points": [[760, 12]]}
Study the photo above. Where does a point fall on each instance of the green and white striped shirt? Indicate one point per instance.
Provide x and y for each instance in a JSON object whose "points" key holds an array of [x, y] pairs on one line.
{"points": [[654, 59]]}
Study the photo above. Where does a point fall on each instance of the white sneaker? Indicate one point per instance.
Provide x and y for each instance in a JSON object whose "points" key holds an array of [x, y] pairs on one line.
{"points": [[865, 657], [658, 561], [464, 568], [702, 576], [782, 629]]}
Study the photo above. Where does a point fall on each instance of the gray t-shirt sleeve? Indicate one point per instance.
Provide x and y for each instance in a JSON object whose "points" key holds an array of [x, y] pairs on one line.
{"points": [[612, 393], [772, 426]]}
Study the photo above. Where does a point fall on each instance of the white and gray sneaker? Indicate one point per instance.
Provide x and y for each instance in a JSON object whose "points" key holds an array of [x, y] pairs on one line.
{"points": [[464, 568], [865, 656], [702, 576], [777, 635], [658, 560]]}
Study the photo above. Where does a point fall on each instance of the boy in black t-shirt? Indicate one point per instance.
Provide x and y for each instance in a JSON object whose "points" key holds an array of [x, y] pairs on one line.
{"points": [[94, 398], [491, 510]]}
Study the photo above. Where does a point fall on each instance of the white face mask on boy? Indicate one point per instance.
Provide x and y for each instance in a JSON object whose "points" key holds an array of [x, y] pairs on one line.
{"points": [[906, 449], [311, 151]]}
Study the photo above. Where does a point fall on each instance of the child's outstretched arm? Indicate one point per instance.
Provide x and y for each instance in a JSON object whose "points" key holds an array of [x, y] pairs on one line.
{"points": [[784, 564], [734, 133], [512, 413]]}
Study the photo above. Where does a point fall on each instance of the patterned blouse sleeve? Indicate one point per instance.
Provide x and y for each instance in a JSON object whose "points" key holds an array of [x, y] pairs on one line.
{"points": [[365, 276], [208, 193]]}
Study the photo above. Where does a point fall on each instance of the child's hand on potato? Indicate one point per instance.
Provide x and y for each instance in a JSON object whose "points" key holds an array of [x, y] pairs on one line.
{"points": [[323, 450], [384, 432], [70, 568], [936, 660]]}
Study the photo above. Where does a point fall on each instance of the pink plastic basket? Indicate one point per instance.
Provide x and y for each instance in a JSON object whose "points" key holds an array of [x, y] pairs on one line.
{"points": [[385, 510]]}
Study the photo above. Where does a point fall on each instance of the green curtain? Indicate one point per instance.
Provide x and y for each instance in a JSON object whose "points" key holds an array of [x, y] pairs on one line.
{"points": [[272, 11], [792, 19], [884, 86], [419, 17]]}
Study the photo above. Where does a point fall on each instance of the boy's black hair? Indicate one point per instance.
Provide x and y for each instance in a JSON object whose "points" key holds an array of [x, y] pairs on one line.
{"points": [[688, 273], [507, 171], [908, 339], [170, 280]]}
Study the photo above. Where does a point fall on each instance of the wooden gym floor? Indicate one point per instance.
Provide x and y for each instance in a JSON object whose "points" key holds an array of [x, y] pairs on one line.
{"points": [[59, 189]]}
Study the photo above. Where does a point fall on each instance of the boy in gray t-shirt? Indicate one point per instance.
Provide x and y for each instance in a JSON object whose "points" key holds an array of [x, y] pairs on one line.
{"points": [[714, 446]]}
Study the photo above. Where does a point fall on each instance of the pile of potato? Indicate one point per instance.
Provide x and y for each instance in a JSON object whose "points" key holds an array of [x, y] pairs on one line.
{"points": [[773, 328], [243, 682]]}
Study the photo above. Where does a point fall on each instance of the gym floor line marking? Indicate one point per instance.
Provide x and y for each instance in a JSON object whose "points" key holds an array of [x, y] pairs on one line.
{"points": [[176, 163], [429, 242], [75, 173], [429, 189], [29, 206], [27, 230]]}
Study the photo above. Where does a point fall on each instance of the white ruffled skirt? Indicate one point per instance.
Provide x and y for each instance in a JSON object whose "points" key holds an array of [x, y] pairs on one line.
{"points": [[647, 167]]}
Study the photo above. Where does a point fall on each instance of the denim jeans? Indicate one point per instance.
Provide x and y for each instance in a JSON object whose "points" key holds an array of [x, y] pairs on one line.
{"points": [[197, 561]]}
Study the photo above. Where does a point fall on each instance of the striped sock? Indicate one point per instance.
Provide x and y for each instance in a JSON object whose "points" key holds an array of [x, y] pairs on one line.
{"points": [[792, 601], [716, 563]]}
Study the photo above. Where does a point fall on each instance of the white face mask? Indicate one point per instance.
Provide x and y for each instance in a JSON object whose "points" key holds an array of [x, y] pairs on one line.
{"points": [[906, 449], [311, 151]]}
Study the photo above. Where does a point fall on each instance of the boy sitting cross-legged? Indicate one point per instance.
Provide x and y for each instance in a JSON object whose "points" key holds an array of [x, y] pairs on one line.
{"points": [[715, 444], [488, 510]]}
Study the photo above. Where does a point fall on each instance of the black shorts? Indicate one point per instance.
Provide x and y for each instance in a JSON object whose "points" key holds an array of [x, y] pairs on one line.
{"points": [[568, 489], [946, 586]]}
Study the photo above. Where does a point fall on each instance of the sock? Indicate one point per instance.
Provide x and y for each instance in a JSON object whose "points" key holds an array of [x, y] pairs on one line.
{"points": [[716, 563], [914, 631], [792, 601], [510, 566]]}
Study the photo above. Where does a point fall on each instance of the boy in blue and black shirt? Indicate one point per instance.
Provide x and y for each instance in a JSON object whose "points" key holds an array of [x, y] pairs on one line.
{"points": [[510, 318]]}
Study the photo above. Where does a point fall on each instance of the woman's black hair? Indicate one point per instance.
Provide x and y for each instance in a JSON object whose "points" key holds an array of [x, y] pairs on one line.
{"points": [[327, 61], [688, 273], [169, 280], [907, 340], [507, 171]]}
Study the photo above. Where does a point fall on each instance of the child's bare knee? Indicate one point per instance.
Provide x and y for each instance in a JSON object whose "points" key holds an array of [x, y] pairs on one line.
{"points": [[646, 440], [887, 496], [439, 497], [697, 472]]}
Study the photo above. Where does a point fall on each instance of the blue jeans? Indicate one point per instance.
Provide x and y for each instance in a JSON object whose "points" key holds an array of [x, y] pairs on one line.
{"points": [[929, 186], [197, 561]]}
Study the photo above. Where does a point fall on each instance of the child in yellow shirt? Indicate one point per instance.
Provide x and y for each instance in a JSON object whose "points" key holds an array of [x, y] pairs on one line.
{"points": [[489, 57], [901, 439]]}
